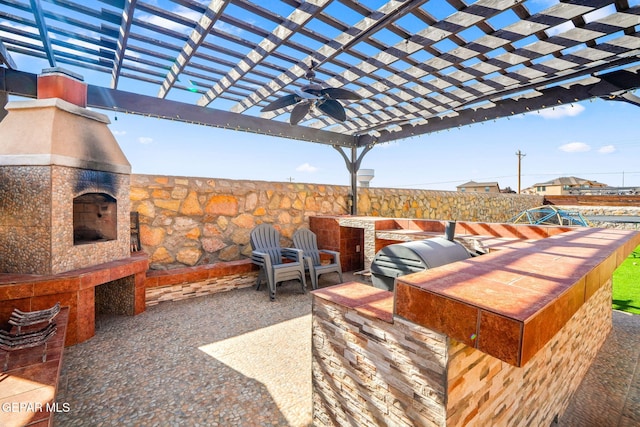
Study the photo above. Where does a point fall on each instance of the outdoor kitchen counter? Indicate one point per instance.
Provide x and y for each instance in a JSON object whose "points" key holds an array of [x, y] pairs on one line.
{"points": [[508, 303]]}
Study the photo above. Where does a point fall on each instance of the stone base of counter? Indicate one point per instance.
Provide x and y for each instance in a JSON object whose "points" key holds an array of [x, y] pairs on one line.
{"points": [[371, 369], [190, 282]]}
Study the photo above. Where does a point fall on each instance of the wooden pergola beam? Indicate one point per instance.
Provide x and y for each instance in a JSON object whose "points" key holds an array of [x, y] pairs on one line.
{"points": [[44, 33], [613, 84], [5, 57], [25, 84]]}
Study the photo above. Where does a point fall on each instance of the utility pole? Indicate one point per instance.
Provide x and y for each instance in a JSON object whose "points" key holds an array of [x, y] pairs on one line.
{"points": [[520, 155]]}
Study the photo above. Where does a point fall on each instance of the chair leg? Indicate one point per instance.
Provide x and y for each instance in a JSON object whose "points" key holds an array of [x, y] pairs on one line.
{"points": [[303, 280], [272, 285], [272, 290], [303, 283], [258, 282]]}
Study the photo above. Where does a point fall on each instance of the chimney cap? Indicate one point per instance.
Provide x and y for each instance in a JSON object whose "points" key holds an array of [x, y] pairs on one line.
{"points": [[60, 70]]}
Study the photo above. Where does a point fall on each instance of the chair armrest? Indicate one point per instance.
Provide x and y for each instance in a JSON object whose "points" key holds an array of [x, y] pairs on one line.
{"points": [[334, 254], [262, 259], [293, 254]]}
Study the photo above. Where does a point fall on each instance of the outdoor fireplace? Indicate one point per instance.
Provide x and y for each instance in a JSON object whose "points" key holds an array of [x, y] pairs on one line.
{"points": [[65, 210], [64, 183]]}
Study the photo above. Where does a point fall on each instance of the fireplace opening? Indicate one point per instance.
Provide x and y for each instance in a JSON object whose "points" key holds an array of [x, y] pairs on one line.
{"points": [[95, 218]]}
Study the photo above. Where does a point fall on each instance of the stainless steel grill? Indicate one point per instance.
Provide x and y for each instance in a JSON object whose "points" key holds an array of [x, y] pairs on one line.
{"points": [[405, 258]]}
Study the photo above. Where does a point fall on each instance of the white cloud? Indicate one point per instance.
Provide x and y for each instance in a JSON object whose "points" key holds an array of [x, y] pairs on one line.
{"points": [[145, 140], [561, 111], [559, 29], [575, 147], [119, 132], [306, 167], [173, 25], [10, 36], [607, 149], [230, 29]]}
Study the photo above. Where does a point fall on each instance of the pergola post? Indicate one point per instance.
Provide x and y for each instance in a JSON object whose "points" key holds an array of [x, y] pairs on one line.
{"points": [[4, 98], [353, 165], [353, 170]]}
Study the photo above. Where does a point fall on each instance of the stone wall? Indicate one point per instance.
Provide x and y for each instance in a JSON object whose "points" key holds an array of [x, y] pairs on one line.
{"points": [[186, 221], [369, 372], [621, 211]]}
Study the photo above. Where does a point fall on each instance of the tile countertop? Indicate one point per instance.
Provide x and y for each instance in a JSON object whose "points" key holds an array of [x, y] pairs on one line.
{"points": [[28, 387], [509, 303]]}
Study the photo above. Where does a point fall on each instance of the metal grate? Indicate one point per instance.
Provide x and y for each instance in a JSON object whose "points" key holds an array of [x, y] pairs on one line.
{"points": [[135, 232]]}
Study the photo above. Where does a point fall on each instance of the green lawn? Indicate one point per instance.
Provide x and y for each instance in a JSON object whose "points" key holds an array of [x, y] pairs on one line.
{"points": [[626, 284]]}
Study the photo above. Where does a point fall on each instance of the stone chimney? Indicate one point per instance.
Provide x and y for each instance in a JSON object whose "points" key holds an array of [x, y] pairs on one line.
{"points": [[64, 182], [62, 84]]}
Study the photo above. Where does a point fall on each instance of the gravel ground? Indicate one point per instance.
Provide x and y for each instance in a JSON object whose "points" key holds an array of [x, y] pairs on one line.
{"points": [[231, 359], [237, 359]]}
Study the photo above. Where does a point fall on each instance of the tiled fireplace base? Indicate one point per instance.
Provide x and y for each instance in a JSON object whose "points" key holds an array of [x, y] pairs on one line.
{"points": [[74, 289]]}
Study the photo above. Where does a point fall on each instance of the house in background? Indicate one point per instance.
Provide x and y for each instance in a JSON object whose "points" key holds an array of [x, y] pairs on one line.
{"points": [[564, 185], [479, 187]]}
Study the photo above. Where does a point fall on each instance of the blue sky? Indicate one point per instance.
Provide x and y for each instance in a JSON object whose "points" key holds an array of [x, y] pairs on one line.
{"points": [[593, 140], [596, 140]]}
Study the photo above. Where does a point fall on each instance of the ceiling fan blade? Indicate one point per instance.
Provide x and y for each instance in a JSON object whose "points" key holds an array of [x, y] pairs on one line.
{"points": [[333, 109], [308, 93], [298, 112], [339, 93], [282, 102]]}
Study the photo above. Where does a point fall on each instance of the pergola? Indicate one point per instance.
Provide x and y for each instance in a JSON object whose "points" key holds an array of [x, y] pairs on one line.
{"points": [[420, 66]]}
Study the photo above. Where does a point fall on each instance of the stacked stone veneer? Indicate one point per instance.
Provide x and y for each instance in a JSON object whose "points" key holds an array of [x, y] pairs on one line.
{"points": [[188, 221], [372, 370], [369, 372], [190, 282]]}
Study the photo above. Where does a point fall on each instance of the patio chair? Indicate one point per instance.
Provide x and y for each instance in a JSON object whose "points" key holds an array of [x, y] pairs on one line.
{"points": [[277, 264], [306, 240]]}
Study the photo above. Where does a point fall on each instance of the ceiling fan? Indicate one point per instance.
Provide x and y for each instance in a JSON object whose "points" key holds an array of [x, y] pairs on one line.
{"points": [[314, 95]]}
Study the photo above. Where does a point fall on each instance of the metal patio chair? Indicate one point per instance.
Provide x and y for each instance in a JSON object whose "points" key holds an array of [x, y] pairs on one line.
{"points": [[277, 264], [306, 240]]}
